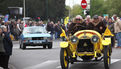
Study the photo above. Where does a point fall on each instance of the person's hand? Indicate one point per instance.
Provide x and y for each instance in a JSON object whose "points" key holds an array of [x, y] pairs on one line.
{"points": [[3, 35], [101, 28]]}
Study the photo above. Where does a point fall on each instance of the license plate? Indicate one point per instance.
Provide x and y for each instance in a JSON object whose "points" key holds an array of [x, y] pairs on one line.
{"points": [[37, 41]]}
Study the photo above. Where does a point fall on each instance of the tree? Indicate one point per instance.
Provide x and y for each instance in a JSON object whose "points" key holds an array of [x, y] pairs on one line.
{"points": [[101, 7], [76, 10], [68, 10], [52, 9]]}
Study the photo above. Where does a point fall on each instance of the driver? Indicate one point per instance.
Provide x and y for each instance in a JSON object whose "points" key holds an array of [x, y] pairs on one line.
{"points": [[76, 25]]}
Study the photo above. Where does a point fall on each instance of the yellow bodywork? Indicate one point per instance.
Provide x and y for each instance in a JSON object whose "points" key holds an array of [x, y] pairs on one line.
{"points": [[98, 46], [64, 44]]}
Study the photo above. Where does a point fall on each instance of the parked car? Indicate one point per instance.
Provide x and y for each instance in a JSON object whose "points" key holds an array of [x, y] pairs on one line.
{"points": [[35, 36]]}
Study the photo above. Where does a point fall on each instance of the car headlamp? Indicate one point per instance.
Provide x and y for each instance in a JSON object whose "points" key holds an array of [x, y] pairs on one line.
{"points": [[74, 39], [95, 39]]}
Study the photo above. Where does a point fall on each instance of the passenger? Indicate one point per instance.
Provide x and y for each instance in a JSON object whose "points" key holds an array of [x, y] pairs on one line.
{"points": [[88, 22], [97, 25], [76, 25]]}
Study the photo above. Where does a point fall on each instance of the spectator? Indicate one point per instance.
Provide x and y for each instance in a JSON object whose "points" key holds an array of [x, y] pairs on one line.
{"points": [[50, 28], [111, 27], [18, 27], [2, 50], [8, 49], [1, 44], [117, 27]]}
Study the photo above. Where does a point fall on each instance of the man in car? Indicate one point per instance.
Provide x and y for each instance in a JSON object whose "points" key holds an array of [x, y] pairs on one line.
{"points": [[97, 25], [76, 25]]}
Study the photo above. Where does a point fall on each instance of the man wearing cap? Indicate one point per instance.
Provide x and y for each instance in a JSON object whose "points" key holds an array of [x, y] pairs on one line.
{"points": [[76, 25], [97, 25]]}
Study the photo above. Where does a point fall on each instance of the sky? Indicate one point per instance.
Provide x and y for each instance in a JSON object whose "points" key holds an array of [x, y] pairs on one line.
{"points": [[73, 2]]}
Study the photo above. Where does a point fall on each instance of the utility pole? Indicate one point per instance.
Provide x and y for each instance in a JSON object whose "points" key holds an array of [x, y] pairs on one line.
{"points": [[47, 9], [24, 4]]}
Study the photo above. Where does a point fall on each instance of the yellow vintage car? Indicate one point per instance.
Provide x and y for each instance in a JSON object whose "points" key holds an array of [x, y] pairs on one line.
{"points": [[89, 45]]}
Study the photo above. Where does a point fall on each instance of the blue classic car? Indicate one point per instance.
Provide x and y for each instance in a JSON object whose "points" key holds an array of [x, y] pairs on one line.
{"points": [[35, 36]]}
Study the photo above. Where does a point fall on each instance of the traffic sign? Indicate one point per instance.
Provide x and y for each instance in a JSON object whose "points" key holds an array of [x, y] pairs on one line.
{"points": [[84, 4]]}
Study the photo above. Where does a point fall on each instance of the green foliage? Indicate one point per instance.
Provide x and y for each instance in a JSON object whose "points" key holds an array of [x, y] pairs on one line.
{"points": [[52, 9], [67, 12], [76, 10], [101, 7]]}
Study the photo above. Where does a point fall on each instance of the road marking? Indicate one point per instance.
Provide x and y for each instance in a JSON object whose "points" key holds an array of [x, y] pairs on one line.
{"points": [[115, 60], [15, 47], [59, 67], [11, 66], [44, 64], [112, 61]]}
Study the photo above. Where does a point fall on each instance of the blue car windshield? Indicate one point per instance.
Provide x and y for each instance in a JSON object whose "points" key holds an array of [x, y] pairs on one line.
{"points": [[34, 30]]}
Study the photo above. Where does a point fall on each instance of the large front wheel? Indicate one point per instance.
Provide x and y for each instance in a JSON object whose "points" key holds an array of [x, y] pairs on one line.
{"points": [[107, 59], [64, 59]]}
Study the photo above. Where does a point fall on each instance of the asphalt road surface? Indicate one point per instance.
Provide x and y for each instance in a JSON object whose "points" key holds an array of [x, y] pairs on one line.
{"points": [[39, 58]]}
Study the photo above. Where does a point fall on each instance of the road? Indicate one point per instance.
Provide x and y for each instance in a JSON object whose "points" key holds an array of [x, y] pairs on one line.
{"points": [[39, 58]]}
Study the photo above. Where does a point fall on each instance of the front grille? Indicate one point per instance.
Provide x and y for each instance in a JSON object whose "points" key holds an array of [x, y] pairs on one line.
{"points": [[37, 38], [85, 45]]}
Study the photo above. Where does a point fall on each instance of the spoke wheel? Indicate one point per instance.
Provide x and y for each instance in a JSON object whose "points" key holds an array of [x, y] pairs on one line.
{"points": [[64, 59], [107, 58]]}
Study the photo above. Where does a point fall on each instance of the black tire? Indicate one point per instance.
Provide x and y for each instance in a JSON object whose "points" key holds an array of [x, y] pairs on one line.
{"points": [[64, 59], [44, 46], [50, 46], [107, 59], [22, 46]]}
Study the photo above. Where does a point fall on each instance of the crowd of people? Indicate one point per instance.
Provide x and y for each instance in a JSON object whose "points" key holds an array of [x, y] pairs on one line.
{"points": [[15, 27]]}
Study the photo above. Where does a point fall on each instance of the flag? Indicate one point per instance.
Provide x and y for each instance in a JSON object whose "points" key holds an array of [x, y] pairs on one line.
{"points": [[66, 20], [6, 17], [63, 34]]}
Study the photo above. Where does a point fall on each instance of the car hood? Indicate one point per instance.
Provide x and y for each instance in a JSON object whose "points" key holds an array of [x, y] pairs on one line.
{"points": [[36, 35]]}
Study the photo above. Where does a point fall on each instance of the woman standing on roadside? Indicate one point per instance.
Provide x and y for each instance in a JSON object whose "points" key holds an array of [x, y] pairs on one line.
{"points": [[7, 47], [2, 50]]}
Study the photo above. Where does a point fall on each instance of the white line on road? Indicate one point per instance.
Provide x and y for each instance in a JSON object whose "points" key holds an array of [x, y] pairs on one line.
{"points": [[112, 61], [44, 64], [115, 60], [59, 67], [11, 66]]}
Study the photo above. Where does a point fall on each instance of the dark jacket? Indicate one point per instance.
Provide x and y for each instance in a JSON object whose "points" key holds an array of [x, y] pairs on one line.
{"points": [[97, 27], [74, 27], [57, 28], [2, 50], [50, 28], [111, 27], [7, 44]]}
